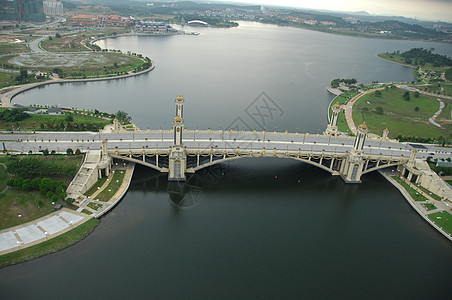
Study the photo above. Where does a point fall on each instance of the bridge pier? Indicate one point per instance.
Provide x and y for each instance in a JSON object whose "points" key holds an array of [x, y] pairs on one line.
{"points": [[177, 163], [352, 167]]}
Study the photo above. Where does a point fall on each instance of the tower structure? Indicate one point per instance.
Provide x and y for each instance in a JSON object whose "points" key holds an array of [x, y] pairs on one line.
{"points": [[178, 158], [332, 125], [352, 167]]}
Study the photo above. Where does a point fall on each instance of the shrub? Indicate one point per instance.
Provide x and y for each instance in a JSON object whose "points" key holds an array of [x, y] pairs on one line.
{"points": [[54, 198], [379, 110], [18, 182]]}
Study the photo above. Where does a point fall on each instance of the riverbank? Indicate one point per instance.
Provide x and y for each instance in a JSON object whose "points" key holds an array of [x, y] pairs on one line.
{"points": [[58, 230], [417, 205], [11, 92]]}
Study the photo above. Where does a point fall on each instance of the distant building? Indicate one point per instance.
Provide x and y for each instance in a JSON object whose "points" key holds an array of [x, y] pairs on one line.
{"points": [[53, 8], [22, 10], [29, 11], [99, 21], [7, 11], [154, 27]]}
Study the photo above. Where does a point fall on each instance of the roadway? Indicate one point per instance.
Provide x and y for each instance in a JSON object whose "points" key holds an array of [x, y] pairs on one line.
{"points": [[202, 139]]}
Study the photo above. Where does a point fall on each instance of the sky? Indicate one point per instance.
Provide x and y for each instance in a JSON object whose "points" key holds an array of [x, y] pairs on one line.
{"points": [[434, 10]]}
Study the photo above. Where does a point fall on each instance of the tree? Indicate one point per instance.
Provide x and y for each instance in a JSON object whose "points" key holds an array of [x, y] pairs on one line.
{"points": [[416, 94], [123, 117], [406, 96], [69, 118], [69, 151], [57, 35], [35, 183], [379, 110], [416, 108]]}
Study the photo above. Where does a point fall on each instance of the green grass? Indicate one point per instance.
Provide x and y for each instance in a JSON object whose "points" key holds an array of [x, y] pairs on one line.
{"points": [[400, 116], [413, 193], [445, 222], [85, 211], [95, 187], [94, 206], [57, 243], [342, 121], [112, 187], [429, 206], [14, 202], [449, 182], [434, 196], [56, 122], [13, 48]]}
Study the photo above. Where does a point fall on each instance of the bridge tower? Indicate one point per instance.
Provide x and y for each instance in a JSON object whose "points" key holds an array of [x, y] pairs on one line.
{"points": [[352, 167], [178, 158], [332, 126]]}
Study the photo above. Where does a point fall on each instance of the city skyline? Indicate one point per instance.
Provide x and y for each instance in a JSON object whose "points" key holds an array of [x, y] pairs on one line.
{"points": [[433, 10]]}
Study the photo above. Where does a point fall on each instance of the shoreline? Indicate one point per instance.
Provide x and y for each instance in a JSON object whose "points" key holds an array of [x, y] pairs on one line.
{"points": [[6, 98], [412, 202]]}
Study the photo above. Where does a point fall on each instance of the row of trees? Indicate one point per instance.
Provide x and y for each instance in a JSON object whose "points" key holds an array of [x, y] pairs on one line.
{"points": [[420, 56], [335, 83], [71, 126], [30, 167], [52, 189], [13, 115]]}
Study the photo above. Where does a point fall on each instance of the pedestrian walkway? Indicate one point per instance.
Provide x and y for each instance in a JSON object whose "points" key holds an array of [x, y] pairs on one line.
{"points": [[40, 230], [128, 168], [419, 205]]}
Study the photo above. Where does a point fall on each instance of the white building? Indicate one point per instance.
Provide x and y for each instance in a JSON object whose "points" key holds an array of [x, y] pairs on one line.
{"points": [[53, 8]]}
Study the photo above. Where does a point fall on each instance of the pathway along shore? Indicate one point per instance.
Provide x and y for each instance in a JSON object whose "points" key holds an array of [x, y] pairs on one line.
{"points": [[348, 108], [12, 91]]}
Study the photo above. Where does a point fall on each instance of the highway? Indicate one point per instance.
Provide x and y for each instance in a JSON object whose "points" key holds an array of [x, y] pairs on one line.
{"points": [[205, 139]]}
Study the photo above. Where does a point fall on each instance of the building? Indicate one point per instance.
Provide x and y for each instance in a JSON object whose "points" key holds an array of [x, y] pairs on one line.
{"points": [[7, 11], [22, 10], [53, 8], [29, 11]]}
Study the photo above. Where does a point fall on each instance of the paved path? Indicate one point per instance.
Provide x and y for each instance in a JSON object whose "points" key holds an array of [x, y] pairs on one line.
{"points": [[419, 205], [348, 109], [40, 230], [128, 168]]}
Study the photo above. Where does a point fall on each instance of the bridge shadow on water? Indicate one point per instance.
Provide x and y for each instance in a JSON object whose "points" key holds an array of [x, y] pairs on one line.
{"points": [[265, 176]]}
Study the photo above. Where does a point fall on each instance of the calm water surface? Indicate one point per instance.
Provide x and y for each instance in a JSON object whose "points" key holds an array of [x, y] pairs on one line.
{"points": [[260, 228]]}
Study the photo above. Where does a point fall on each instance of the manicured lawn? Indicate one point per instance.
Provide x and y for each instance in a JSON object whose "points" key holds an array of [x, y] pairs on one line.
{"points": [[57, 122], [57, 243], [96, 186], [442, 219], [95, 206], [31, 205], [413, 193], [429, 206], [112, 187], [400, 116]]}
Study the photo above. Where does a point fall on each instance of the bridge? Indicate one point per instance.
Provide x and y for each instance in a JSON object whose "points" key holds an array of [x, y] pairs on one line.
{"points": [[180, 151], [191, 150]]}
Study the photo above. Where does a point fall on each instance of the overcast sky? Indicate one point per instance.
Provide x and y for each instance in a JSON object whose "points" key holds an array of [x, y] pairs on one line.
{"points": [[435, 10]]}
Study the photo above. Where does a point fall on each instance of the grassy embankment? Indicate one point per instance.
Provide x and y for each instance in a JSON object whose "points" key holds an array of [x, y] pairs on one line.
{"points": [[443, 219], [81, 121], [428, 73], [53, 245], [15, 202], [109, 191], [408, 118]]}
